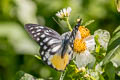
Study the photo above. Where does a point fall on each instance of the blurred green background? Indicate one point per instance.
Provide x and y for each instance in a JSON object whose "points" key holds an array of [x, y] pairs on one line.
{"points": [[16, 46]]}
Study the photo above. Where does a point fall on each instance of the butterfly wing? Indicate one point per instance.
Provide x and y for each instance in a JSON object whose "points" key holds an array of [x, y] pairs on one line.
{"points": [[39, 32], [50, 45]]}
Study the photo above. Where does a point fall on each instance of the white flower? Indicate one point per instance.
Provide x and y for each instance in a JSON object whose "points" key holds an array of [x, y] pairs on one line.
{"points": [[64, 13], [103, 37], [85, 57], [84, 44]]}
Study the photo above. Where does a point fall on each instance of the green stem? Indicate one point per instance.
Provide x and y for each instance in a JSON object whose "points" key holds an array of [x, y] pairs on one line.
{"points": [[38, 57], [97, 44], [88, 23], [62, 75], [68, 24]]}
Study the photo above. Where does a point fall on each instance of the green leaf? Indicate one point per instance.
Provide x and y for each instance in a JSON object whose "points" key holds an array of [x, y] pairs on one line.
{"points": [[110, 71], [115, 37], [114, 45], [116, 30], [116, 59], [19, 74], [110, 55], [101, 77]]}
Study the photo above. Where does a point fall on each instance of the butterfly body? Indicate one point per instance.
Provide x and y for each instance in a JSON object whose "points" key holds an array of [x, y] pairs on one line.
{"points": [[55, 50]]}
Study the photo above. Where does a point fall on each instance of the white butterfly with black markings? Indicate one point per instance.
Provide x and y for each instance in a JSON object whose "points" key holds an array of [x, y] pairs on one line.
{"points": [[55, 50]]}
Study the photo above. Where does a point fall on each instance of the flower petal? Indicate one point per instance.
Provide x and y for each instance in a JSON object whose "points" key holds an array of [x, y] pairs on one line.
{"points": [[90, 43], [84, 59], [59, 15], [69, 10], [64, 13]]}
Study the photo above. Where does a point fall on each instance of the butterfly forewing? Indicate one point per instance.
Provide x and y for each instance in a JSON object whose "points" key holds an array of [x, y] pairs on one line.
{"points": [[39, 32], [47, 38]]}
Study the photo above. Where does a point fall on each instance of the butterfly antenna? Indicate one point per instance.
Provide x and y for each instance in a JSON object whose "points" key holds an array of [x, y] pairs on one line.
{"points": [[58, 23]]}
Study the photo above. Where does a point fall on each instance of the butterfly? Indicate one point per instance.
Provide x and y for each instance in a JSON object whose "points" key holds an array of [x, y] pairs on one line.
{"points": [[55, 49]]}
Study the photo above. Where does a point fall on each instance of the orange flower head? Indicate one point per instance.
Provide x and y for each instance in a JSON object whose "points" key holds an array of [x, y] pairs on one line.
{"points": [[84, 32], [79, 45]]}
